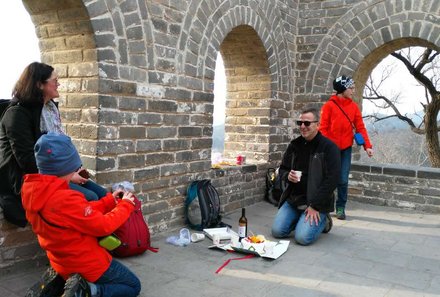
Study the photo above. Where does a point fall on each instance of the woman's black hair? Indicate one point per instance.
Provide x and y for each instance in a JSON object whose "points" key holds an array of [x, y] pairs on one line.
{"points": [[28, 87]]}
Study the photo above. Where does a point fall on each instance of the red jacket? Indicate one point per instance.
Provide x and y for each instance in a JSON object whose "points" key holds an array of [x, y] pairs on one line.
{"points": [[71, 245], [335, 125]]}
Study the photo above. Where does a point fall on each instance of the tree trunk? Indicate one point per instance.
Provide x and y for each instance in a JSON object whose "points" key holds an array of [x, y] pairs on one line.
{"points": [[432, 141]]}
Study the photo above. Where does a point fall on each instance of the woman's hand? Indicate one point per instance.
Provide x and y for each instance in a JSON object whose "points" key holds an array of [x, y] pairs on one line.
{"points": [[78, 179], [369, 152]]}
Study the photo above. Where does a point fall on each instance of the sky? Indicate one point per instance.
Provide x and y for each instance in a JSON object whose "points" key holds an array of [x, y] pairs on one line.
{"points": [[403, 84], [19, 44], [21, 48]]}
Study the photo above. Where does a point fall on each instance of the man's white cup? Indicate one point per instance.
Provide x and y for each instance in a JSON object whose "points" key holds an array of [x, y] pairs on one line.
{"points": [[298, 174], [195, 237]]}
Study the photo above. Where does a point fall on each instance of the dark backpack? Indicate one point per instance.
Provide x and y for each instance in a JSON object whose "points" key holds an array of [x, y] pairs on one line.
{"points": [[11, 203], [134, 235], [274, 186], [4, 103], [202, 205]]}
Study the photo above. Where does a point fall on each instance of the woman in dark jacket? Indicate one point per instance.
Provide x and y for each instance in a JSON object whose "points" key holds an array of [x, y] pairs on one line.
{"points": [[31, 113]]}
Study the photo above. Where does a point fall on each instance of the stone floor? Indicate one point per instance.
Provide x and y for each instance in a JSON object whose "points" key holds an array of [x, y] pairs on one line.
{"points": [[377, 251]]}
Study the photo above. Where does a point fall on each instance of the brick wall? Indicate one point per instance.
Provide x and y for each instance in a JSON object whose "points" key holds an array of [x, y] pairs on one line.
{"points": [[399, 186], [19, 248]]}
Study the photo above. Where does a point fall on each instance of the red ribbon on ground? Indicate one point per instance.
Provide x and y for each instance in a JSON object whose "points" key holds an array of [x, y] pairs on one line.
{"points": [[227, 262]]}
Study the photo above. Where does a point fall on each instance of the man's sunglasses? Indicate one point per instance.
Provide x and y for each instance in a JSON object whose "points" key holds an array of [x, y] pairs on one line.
{"points": [[306, 123]]}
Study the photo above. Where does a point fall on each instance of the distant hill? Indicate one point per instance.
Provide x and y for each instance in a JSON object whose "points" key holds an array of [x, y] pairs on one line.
{"points": [[395, 143], [393, 123], [218, 138]]}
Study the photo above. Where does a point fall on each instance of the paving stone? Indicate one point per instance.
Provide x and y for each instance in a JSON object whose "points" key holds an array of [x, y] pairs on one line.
{"points": [[376, 252]]}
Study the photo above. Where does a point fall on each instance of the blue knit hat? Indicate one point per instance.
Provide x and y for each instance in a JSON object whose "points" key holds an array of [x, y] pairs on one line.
{"points": [[56, 155]]}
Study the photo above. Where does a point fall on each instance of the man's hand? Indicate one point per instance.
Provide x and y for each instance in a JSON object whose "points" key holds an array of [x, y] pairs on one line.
{"points": [[312, 215], [293, 176]]}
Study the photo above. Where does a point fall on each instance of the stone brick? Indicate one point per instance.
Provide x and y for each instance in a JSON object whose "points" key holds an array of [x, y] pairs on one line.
{"points": [[159, 158], [102, 24], [132, 104], [189, 131], [105, 40], [428, 173], [162, 105], [109, 177], [115, 147], [113, 87], [430, 192], [148, 146], [132, 132], [131, 161], [96, 9], [399, 171], [150, 118], [176, 145], [104, 164], [161, 132], [107, 132], [108, 70]]}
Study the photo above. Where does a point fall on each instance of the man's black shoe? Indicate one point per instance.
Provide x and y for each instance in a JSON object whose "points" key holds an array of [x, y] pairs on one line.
{"points": [[328, 224]]}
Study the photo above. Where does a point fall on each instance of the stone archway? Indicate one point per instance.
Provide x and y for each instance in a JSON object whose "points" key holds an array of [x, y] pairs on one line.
{"points": [[380, 28], [66, 40], [373, 59], [206, 33], [248, 95], [102, 53]]}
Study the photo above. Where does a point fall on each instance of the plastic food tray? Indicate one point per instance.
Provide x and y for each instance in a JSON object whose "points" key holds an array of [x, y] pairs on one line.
{"points": [[224, 233]]}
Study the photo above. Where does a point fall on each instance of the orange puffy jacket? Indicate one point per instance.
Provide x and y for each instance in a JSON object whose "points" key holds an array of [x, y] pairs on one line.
{"points": [[67, 225], [335, 125]]}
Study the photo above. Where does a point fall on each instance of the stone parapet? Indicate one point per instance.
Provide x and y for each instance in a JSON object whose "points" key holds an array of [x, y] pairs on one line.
{"points": [[416, 188]]}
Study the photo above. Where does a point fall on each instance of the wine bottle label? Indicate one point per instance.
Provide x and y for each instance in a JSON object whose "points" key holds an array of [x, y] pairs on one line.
{"points": [[241, 231]]}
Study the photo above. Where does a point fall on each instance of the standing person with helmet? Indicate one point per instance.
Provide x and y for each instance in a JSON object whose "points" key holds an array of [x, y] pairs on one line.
{"points": [[340, 119]]}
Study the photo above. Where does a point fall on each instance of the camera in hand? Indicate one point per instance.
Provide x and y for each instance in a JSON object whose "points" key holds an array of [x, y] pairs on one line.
{"points": [[120, 195], [84, 173]]}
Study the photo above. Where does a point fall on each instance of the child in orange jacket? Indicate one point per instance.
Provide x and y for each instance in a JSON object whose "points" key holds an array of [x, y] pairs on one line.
{"points": [[67, 225]]}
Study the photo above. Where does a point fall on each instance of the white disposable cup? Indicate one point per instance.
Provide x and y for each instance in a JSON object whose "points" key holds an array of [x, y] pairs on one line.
{"points": [[216, 239], [195, 237], [298, 174]]}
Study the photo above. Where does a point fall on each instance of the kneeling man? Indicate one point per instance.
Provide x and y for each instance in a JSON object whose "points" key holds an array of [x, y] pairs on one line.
{"points": [[311, 168]]}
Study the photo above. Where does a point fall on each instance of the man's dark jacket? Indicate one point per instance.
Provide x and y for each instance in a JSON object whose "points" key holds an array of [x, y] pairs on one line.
{"points": [[323, 173]]}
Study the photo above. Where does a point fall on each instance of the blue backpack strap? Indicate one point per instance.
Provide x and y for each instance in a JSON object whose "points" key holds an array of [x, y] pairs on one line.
{"points": [[191, 194]]}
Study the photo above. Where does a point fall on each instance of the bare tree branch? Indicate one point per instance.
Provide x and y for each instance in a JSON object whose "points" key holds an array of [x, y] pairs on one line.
{"points": [[416, 72], [424, 67]]}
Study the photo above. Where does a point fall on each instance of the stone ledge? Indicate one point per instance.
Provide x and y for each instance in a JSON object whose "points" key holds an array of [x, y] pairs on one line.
{"points": [[397, 170]]}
